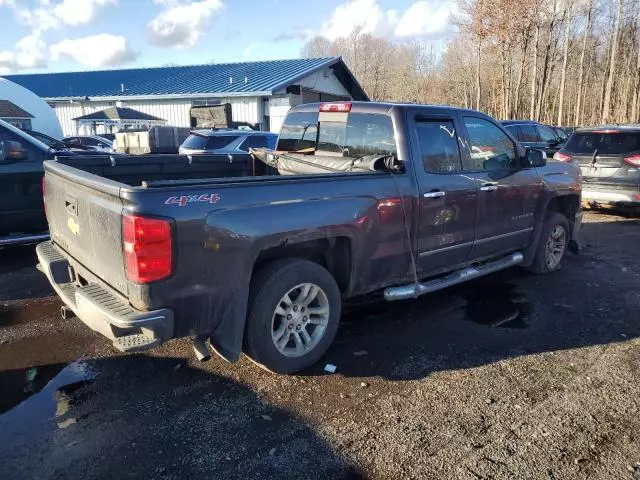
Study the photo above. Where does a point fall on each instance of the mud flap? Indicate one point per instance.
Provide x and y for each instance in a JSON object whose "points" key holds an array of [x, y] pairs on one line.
{"points": [[226, 339]]}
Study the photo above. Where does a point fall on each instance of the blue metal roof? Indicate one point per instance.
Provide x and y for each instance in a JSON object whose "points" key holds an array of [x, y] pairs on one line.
{"points": [[213, 79]]}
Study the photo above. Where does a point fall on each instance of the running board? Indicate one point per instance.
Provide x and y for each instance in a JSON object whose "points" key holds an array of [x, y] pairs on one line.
{"points": [[23, 239], [414, 290]]}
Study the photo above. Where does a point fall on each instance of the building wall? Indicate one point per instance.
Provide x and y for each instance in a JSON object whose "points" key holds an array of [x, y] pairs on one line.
{"points": [[326, 82], [175, 111], [277, 108]]}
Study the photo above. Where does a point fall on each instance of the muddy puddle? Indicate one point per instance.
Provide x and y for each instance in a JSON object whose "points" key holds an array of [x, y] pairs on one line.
{"points": [[492, 302], [497, 305], [39, 398]]}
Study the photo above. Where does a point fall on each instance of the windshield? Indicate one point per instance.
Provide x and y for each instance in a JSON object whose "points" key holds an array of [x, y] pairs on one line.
{"points": [[201, 142], [607, 143]]}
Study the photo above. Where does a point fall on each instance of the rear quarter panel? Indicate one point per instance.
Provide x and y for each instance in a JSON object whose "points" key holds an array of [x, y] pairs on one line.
{"points": [[217, 244]]}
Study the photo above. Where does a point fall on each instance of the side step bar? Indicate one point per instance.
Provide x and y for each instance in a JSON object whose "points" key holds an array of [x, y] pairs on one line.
{"points": [[23, 239], [415, 290]]}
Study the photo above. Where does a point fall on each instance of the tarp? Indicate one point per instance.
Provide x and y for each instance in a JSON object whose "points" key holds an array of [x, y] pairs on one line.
{"points": [[302, 163]]}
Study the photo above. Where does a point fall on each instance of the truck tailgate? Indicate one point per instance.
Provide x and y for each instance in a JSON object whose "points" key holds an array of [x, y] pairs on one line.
{"points": [[85, 220]]}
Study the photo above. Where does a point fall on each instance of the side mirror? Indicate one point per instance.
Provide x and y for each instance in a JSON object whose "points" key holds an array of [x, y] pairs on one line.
{"points": [[536, 158], [11, 152]]}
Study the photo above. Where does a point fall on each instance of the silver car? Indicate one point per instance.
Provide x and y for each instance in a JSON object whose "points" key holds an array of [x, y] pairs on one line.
{"points": [[226, 141]]}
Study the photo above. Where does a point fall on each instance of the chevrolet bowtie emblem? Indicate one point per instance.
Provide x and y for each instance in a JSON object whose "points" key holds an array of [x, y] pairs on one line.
{"points": [[73, 225]]}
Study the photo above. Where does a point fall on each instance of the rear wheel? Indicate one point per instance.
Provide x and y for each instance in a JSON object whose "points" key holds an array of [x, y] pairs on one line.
{"points": [[552, 245], [294, 311]]}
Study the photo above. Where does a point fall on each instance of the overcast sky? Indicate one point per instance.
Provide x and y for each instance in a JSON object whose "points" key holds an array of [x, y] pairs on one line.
{"points": [[67, 35]]}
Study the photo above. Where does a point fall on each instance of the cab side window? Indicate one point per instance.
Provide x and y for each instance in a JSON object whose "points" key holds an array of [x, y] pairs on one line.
{"points": [[490, 148], [438, 146], [529, 133]]}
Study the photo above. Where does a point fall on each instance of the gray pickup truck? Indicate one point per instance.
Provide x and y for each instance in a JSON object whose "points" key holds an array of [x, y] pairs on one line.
{"points": [[257, 258]]}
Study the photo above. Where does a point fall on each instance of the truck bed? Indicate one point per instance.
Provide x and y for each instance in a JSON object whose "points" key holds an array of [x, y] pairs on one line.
{"points": [[144, 170]]}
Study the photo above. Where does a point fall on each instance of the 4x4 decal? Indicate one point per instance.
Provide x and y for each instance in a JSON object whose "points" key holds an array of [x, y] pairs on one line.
{"points": [[184, 199]]}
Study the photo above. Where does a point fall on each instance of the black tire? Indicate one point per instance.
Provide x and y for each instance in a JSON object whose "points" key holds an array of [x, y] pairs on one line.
{"points": [[553, 220], [268, 287]]}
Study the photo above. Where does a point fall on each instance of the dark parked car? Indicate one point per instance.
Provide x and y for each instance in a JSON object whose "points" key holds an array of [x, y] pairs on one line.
{"points": [[609, 158], [22, 216], [89, 142], [405, 198], [535, 135], [226, 141]]}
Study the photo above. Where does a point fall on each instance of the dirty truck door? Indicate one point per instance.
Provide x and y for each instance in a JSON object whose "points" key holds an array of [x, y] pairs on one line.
{"points": [[507, 189], [447, 200]]}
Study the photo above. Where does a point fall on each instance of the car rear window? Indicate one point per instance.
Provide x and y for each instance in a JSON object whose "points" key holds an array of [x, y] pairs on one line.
{"points": [[201, 142], [362, 134], [607, 143]]}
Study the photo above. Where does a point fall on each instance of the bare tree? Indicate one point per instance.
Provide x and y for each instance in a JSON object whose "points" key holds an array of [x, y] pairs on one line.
{"points": [[534, 74], [511, 59], [585, 37], [565, 58], [606, 106]]}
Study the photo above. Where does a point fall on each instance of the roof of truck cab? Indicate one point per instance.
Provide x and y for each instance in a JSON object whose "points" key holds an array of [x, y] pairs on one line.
{"points": [[519, 122], [610, 128], [385, 107]]}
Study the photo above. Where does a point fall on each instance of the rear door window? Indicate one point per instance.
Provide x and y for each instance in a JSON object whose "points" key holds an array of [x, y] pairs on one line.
{"points": [[546, 134], [515, 131], [609, 143], [439, 146], [529, 133], [214, 142], [222, 141]]}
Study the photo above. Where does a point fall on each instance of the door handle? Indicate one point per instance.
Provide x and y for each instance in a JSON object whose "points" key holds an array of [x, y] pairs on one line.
{"points": [[489, 187], [437, 194]]}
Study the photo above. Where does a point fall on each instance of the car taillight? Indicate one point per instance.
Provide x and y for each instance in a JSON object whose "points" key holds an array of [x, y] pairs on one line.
{"points": [[44, 199], [336, 107], [561, 157], [633, 160], [147, 248]]}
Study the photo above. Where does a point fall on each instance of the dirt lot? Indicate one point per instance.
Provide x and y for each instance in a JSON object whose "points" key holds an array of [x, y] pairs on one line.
{"points": [[512, 376]]}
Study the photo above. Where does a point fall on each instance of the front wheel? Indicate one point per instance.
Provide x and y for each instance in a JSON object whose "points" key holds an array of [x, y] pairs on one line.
{"points": [[294, 311], [553, 243]]}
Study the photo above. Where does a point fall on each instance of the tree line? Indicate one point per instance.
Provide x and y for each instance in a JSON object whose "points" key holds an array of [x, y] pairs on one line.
{"points": [[563, 62]]}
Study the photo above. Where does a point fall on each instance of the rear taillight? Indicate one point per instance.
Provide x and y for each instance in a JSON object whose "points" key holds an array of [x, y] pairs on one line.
{"points": [[336, 107], [633, 160], [44, 198], [147, 248], [561, 157]]}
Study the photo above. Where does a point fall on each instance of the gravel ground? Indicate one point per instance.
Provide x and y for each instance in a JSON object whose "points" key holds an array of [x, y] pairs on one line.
{"points": [[511, 376]]}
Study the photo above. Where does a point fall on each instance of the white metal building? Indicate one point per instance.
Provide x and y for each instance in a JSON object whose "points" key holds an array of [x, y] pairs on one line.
{"points": [[260, 93]]}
